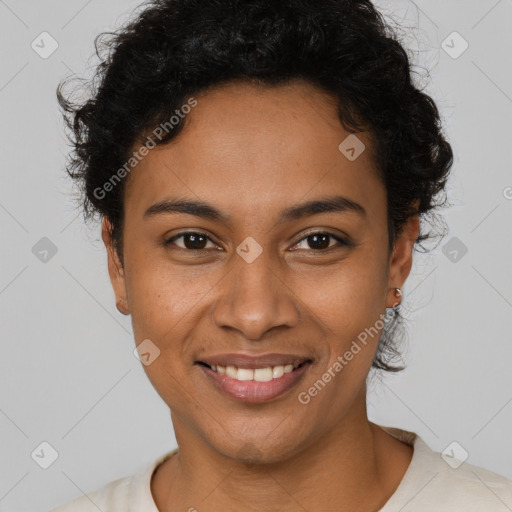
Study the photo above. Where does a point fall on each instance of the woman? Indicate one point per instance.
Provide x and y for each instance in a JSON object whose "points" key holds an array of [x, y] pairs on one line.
{"points": [[264, 171]]}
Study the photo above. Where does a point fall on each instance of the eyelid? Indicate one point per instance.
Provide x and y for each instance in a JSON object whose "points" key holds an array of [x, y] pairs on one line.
{"points": [[343, 240], [169, 241]]}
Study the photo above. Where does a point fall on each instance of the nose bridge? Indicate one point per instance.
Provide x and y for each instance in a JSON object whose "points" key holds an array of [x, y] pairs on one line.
{"points": [[253, 298]]}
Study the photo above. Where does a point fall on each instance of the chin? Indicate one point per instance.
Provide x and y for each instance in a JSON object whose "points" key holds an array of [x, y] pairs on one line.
{"points": [[259, 451]]}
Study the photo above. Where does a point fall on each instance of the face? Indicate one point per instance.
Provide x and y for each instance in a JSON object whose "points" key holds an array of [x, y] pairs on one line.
{"points": [[285, 252]]}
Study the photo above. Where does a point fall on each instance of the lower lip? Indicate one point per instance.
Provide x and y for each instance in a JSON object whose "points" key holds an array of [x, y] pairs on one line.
{"points": [[253, 391]]}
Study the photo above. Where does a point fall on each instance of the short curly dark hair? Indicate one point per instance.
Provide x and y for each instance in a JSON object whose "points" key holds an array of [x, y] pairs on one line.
{"points": [[176, 48]]}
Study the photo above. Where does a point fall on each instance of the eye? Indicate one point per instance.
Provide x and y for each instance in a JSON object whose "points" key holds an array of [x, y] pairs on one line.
{"points": [[320, 241], [196, 241], [191, 240]]}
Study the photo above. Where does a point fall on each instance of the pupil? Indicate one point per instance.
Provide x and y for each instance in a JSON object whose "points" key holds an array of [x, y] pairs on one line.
{"points": [[318, 241], [195, 241]]}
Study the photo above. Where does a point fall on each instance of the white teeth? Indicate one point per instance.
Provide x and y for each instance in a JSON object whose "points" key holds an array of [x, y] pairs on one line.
{"points": [[231, 371], [263, 374], [245, 374], [258, 374], [277, 371]]}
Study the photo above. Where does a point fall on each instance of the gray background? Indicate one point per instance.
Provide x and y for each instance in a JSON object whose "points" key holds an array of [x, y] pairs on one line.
{"points": [[67, 372]]}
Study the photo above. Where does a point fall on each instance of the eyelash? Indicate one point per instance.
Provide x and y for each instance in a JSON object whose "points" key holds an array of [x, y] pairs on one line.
{"points": [[341, 241]]}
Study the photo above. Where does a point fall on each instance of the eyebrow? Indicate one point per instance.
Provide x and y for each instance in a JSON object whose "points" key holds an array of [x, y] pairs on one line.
{"points": [[209, 212]]}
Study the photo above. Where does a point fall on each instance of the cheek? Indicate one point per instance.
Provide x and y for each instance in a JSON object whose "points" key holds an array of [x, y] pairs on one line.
{"points": [[164, 305], [161, 296], [348, 307], [167, 303], [348, 303], [347, 296]]}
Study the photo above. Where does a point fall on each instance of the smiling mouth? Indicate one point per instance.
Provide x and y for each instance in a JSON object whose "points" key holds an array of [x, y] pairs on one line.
{"points": [[263, 374]]}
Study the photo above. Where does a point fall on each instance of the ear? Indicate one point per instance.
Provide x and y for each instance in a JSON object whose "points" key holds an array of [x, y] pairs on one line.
{"points": [[115, 268], [401, 259]]}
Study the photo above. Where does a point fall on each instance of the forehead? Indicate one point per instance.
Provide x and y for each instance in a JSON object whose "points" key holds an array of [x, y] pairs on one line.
{"points": [[256, 146]]}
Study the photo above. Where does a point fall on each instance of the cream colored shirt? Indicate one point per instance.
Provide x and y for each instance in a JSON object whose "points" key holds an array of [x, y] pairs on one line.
{"points": [[429, 484]]}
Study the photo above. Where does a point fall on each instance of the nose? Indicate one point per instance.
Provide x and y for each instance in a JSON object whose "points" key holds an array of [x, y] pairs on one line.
{"points": [[254, 298]]}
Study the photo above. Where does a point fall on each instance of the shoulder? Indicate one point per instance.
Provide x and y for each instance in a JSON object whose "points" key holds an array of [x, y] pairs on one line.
{"points": [[472, 487], [114, 494], [440, 481], [129, 493]]}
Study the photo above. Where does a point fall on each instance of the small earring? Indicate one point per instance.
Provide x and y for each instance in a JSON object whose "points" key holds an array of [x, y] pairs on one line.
{"points": [[397, 306]]}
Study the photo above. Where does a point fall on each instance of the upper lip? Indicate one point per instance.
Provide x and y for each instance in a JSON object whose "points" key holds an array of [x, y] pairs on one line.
{"points": [[253, 362]]}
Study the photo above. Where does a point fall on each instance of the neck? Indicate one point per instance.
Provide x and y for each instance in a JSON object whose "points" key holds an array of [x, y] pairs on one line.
{"points": [[356, 465]]}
